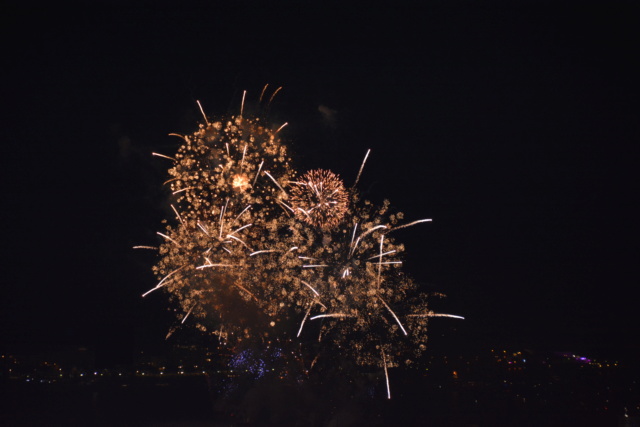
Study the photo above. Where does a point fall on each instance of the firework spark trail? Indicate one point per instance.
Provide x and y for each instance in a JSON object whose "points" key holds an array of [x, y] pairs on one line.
{"points": [[304, 319], [432, 314], [410, 224], [361, 168], [393, 314], [188, 313], [386, 373], [163, 156], [159, 285], [203, 114]]}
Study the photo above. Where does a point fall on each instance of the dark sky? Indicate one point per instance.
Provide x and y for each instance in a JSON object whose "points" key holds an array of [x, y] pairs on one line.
{"points": [[514, 127]]}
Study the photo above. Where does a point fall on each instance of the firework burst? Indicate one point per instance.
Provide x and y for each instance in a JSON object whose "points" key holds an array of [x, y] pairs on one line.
{"points": [[258, 253], [319, 199]]}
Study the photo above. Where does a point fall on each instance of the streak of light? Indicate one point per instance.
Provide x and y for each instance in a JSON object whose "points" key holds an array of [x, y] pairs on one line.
{"points": [[177, 214], [432, 314], [202, 267], [274, 95], [221, 219], [244, 152], [380, 260], [163, 156], [338, 315], [186, 138], [240, 214], [310, 287], [240, 240], [239, 229], [169, 238], [242, 104], [303, 320], [314, 265], [263, 252], [182, 189], [386, 253], [203, 229], [386, 374], [262, 93], [280, 128], [188, 313], [410, 224], [203, 114], [393, 314], [170, 180], [146, 247], [275, 182], [257, 173], [245, 289], [286, 205], [361, 168], [160, 284]]}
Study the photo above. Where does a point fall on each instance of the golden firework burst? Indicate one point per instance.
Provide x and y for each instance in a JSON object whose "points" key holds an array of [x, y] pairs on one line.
{"points": [[320, 199]]}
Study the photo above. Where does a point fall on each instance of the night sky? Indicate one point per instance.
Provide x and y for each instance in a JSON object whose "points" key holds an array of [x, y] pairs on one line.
{"points": [[514, 127]]}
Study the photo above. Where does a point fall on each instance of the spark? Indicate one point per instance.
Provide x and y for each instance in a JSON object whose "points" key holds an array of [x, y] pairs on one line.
{"points": [[169, 238], [215, 265], [242, 104], [244, 153], [380, 260], [203, 114], [258, 173], [239, 229], [275, 182], [240, 214], [160, 284], [393, 314], [239, 240], [186, 138], [337, 315], [177, 214], [274, 95], [386, 374], [432, 314], [381, 255], [203, 229], [263, 252], [188, 313], [310, 287], [163, 156], [280, 128], [262, 93], [245, 289], [361, 168], [154, 248], [183, 189], [410, 224], [303, 320]]}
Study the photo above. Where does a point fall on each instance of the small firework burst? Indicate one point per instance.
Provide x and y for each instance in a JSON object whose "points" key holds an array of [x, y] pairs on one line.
{"points": [[320, 199]]}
